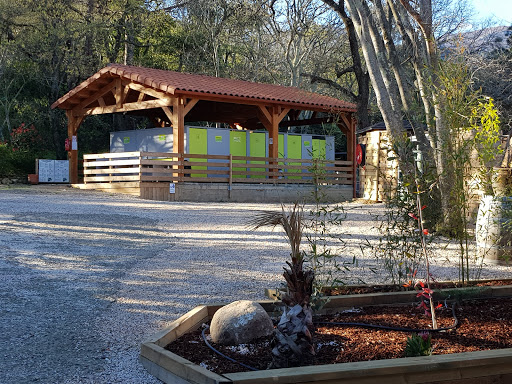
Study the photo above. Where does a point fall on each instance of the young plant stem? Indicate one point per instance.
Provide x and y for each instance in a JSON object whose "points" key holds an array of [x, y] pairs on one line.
{"points": [[424, 248]]}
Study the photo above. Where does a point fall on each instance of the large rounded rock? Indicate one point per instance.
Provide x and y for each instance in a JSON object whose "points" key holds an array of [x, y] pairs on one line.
{"points": [[240, 322]]}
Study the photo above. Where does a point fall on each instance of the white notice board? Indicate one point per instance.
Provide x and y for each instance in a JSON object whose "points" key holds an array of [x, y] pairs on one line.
{"points": [[53, 171], [46, 171], [61, 171]]}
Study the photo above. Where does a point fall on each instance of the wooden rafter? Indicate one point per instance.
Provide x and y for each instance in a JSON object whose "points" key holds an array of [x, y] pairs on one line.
{"points": [[168, 113], [266, 115], [119, 89], [189, 105], [146, 90], [346, 121], [282, 113], [95, 96], [126, 89], [118, 93], [316, 120], [135, 106]]}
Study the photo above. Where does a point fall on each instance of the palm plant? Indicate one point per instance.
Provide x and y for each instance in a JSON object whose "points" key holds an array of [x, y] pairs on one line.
{"points": [[293, 341]]}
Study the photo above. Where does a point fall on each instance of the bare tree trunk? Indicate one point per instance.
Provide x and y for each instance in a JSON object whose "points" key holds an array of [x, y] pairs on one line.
{"points": [[442, 132], [362, 76], [128, 43], [387, 99], [418, 63]]}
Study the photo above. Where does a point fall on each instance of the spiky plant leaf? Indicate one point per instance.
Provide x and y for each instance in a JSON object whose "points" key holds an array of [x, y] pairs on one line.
{"points": [[293, 344], [290, 220]]}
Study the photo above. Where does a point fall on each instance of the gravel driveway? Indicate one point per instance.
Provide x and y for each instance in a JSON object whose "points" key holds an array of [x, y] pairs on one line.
{"points": [[86, 276]]}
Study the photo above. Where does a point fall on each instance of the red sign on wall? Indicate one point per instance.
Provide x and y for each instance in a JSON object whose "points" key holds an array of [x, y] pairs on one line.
{"points": [[360, 154]]}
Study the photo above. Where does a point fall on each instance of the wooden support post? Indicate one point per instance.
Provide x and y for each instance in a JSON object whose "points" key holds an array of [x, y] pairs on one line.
{"points": [[118, 93], [73, 124], [347, 125], [180, 108], [178, 125], [270, 118]]}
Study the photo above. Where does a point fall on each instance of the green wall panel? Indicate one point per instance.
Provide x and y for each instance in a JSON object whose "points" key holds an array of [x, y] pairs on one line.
{"points": [[294, 144], [198, 145], [318, 149], [238, 147], [280, 148], [257, 148]]}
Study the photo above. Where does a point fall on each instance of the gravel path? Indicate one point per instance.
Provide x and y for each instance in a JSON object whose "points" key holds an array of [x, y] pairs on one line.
{"points": [[86, 276]]}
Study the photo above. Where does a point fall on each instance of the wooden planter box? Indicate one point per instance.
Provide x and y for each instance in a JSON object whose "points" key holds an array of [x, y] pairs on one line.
{"points": [[483, 367], [335, 303]]}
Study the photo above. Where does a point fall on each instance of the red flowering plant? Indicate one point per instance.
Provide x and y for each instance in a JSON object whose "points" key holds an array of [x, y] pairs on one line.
{"points": [[425, 291], [25, 138]]}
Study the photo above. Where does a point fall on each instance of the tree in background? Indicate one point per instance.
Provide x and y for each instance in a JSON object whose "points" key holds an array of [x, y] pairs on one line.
{"points": [[388, 32], [49, 46]]}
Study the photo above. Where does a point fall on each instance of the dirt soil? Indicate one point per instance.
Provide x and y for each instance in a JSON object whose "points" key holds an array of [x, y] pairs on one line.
{"points": [[483, 325]]}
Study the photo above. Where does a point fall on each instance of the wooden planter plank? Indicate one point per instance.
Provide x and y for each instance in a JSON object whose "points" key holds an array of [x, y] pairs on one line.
{"points": [[413, 370], [179, 327], [161, 373], [179, 366], [481, 367]]}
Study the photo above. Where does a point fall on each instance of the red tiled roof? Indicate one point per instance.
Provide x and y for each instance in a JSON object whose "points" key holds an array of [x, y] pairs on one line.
{"points": [[178, 83]]}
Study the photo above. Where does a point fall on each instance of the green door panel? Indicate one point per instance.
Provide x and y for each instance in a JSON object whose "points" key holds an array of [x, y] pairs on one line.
{"points": [[198, 145], [318, 151], [257, 148], [238, 147], [280, 149], [294, 143]]}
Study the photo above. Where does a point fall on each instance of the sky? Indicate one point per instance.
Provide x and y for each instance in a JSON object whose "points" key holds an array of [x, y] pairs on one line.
{"points": [[499, 9]]}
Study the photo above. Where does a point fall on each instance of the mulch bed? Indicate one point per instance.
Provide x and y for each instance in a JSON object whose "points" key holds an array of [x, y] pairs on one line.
{"points": [[353, 290], [483, 325]]}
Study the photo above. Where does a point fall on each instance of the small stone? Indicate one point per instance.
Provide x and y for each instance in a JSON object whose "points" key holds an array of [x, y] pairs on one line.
{"points": [[240, 322], [6, 180]]}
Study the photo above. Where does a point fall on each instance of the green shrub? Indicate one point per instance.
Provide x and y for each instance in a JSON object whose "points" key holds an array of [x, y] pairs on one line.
{"points": [[16, 163]]}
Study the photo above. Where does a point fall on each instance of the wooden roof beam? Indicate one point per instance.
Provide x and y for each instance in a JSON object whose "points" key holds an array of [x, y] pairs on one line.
{"points": [[149, 104], [189, 105], [83, 104], [148, 91], [316, 120], [168, 113], [118, 94], [253, 101], [266, 117]]}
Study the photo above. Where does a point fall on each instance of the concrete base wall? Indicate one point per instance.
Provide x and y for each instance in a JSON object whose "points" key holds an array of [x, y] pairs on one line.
{"points": [[245, 193]]}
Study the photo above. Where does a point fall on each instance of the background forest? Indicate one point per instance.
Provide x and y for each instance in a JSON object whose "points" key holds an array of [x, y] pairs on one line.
{"points": [[47, 47]]}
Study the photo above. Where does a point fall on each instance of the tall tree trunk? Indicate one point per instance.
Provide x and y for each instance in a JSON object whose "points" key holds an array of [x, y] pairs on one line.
{"points": [[442, 131], [362, 76], [387, 99], [418, 62]]}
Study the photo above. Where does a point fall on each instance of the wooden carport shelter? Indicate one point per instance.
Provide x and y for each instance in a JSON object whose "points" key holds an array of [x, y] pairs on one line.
{"points": [[171, 99]]}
